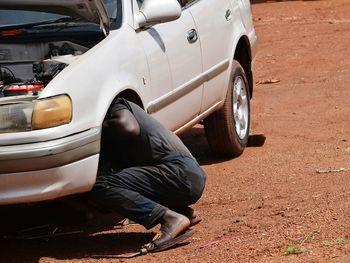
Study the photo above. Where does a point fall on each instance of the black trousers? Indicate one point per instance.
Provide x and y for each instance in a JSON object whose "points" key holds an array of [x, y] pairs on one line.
{"points": [[143, 194]]}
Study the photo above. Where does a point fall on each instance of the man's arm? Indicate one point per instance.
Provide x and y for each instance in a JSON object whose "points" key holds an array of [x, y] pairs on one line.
{"points": [[122, 125]]}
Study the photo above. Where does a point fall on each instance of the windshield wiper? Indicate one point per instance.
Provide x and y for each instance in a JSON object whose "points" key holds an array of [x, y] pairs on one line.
{"points": [[65, 19], [43, 23]]}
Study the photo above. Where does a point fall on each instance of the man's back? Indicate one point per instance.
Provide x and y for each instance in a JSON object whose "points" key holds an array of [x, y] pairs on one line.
{"points": [[155, 144]]}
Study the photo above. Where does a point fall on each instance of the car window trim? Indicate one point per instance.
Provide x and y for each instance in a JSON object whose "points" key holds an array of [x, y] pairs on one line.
{"points": [[190, 4], [120, 13]]}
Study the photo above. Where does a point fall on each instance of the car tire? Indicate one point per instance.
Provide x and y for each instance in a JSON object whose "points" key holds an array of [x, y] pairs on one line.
{"points": [[227, 130]]}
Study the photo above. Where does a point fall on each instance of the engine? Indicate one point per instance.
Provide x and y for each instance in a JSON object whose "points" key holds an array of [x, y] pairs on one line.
{"points": [[28, 68]]}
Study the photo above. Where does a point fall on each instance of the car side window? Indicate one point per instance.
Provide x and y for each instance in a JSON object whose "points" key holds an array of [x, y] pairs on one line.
{"points": [[182, 2], [186, 2]]}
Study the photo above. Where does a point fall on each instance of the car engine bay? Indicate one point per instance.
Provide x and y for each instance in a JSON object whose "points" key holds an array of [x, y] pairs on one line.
{"points": [[26, 68]]}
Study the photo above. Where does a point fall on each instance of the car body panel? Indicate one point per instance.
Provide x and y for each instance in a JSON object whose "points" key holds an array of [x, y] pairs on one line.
{"points": [[246, 20], [49, 154], [174, 65], [33, 186], [179, 83], [216, 39]]}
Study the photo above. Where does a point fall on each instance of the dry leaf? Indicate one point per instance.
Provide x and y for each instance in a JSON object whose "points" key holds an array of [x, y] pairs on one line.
{"points": [[268, 81]]}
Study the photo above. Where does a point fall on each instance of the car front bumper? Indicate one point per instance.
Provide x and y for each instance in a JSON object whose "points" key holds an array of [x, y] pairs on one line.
{"points": [[47, 170]]}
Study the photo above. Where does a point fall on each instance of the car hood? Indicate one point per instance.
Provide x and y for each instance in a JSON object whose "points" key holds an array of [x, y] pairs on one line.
{"points": [[90, 10]]}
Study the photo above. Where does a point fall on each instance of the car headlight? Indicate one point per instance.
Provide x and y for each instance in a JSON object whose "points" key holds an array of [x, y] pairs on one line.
{"points": [[51, 112], [34, 115], [16, 117]]}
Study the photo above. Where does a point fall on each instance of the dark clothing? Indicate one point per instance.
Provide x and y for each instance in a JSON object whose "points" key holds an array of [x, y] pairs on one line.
{"points": [[157, 172], [155, 144]]}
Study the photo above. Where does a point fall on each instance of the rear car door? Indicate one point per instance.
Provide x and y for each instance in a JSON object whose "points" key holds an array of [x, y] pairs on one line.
{"points": [[213, 19], [175, 64]]}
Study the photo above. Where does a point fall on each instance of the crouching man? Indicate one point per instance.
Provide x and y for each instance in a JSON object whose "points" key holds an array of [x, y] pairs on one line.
{"points": [[154, 178]]}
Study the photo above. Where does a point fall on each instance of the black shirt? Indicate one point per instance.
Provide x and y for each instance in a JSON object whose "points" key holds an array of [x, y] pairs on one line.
{"points": [[153, 146]]}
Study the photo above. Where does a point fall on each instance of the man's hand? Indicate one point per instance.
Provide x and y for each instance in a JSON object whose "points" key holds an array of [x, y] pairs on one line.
{"points": [[122, 125]]}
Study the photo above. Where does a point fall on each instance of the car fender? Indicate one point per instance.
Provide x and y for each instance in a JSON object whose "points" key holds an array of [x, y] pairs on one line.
{"points": [[92, 82], [238, 32]]}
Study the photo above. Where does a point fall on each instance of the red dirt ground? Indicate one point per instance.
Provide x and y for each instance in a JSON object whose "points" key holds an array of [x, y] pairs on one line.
{"points": [[270, 204]]}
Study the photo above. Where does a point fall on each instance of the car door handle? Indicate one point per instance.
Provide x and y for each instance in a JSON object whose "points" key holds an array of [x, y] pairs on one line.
{"points": [[192, 36], [228, 14]]}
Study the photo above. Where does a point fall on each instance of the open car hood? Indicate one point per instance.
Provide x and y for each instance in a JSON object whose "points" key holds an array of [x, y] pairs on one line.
{"points": [[90, 10]]}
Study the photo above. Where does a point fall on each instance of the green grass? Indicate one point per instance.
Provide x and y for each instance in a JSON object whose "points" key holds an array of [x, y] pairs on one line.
{"points": [[338, 241], [298, 246], [293, 249]]}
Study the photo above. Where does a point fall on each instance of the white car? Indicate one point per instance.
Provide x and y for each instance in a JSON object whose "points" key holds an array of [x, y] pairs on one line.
{"points": [[63, 62]]}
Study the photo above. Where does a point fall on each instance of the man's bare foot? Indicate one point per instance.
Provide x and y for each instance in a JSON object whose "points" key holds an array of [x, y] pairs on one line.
{"points": [[174, 223], [190, 214], [172, 231]]}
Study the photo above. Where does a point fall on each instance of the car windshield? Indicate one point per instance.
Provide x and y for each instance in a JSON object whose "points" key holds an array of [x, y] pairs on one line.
{"points": [[23, 17]]}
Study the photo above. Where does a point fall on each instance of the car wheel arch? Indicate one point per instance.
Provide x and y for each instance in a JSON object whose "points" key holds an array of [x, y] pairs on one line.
{"points": [[132, 96], [244, 56], [128, 94]]}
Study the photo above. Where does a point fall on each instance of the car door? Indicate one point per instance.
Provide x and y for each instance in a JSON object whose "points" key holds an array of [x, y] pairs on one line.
{"points": [[175, 64], [213, 19]]}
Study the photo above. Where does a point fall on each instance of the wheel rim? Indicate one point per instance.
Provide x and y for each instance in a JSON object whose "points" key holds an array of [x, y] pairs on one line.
{"points": [[240, 107]]}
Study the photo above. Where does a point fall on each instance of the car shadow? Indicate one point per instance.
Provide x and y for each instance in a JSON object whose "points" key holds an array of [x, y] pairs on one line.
{"points": [[73, 247], [26, 234], [196, 142]]}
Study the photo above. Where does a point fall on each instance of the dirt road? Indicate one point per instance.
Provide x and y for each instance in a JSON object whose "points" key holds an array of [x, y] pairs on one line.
{"points": [[270, 204]]}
